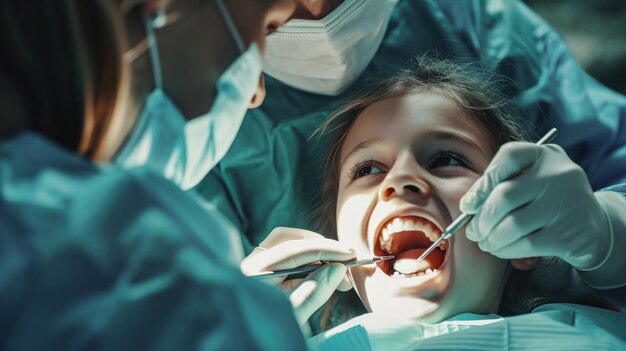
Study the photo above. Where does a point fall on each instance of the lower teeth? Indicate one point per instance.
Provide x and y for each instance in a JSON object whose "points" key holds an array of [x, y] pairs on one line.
{"points": [[397, 274]]}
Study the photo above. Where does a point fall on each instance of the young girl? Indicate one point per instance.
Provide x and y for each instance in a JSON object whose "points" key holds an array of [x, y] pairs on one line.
{"points": [[404, 154]]}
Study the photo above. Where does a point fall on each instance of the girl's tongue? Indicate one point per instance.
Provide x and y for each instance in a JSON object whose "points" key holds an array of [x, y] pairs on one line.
{"points": [[407, 246], [406, 262]]}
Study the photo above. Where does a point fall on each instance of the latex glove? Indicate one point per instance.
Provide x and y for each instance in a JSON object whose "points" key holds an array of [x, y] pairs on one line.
{"points": [[534, 201], [286, 248]]}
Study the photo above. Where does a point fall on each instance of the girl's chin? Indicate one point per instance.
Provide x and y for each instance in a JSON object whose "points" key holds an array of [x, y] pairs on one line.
{"points": [[413, 309], [416, 297]]}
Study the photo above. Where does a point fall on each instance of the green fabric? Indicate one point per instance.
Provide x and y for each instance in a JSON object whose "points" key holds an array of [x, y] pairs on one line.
{"points": [[102, 258], [548, 327]]}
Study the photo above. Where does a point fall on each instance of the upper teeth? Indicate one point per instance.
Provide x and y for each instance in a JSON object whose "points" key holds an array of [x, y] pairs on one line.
{"points": [[398, 225]]}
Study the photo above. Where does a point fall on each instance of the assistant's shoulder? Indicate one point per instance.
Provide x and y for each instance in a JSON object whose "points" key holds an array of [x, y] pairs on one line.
{"points": [[47, 188], [146, 194]]}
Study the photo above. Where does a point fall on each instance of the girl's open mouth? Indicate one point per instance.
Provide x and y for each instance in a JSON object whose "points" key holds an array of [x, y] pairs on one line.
{"points": [[407, 238]]}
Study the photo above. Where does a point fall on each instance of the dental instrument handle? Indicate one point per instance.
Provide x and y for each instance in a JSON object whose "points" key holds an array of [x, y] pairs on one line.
{"points": [[452, 228], [548, 137], [465, 217], [310, 268]]}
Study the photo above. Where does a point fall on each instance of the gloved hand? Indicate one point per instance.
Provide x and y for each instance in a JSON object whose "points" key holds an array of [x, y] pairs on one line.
{"points": [[534, 201], [286, 248]]}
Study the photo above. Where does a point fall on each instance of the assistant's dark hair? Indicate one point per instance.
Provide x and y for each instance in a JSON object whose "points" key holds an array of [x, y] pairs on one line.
{"points": [[64, 60]]}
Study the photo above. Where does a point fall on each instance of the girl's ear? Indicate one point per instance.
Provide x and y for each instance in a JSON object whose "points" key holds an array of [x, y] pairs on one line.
{"points": [[525, 264]]}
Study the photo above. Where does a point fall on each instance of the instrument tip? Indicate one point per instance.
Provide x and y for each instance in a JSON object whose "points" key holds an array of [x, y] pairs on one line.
{"points": [[425, 253]]}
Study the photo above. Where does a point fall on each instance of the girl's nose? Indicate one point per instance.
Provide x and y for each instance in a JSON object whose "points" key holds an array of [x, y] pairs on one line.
{"points": [[405, 179]]}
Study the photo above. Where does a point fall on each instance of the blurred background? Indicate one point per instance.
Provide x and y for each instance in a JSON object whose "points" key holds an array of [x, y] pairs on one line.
{"points": [[595, 32]]}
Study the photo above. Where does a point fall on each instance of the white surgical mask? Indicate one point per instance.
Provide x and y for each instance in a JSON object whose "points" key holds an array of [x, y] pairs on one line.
{"points": [[326, 56], [185, 151]]}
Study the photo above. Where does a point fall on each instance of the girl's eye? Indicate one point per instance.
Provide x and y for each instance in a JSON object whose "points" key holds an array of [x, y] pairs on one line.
{"points": [[447, 159], [364, 168]]}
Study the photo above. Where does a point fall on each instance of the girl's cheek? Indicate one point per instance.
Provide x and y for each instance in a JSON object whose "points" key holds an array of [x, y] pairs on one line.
{"points": [[453, 191], [352, 209]]}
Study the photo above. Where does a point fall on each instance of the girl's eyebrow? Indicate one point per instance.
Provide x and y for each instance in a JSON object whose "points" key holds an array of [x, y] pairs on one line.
{"points": [[362, 145], [455, 137]]}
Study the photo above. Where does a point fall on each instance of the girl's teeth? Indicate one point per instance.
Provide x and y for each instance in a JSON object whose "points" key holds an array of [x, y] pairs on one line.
{"points": [[397, 225], [409, 225], [400, 275], [386, 234], [429, 227]]}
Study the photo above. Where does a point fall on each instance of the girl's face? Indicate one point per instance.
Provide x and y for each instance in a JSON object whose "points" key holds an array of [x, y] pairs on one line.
{"points": [[404, 166]]}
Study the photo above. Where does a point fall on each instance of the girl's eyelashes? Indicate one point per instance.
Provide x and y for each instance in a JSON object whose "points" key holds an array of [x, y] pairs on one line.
{"points": [[447, 159], [441, 158], [364, 168]]}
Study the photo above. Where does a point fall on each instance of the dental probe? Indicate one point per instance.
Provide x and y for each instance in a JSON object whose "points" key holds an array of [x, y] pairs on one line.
{"points": [[310, 268], [465, 217]]}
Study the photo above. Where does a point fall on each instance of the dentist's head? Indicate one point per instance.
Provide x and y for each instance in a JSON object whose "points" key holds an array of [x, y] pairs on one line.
{"points": [[181, 133], [162, 83]]}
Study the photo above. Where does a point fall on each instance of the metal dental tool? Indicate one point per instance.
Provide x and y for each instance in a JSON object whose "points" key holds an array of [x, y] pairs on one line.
{"points": [[465, 217], [310, 268]]}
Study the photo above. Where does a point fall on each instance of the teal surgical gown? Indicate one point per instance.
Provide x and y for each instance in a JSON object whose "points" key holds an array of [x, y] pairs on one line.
{"points": [[548, 327], [273, 172], [99, 258]]}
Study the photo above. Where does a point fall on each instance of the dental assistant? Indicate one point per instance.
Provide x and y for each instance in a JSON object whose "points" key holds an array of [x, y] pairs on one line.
{"points": [[570, 203], [93, 256]]}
